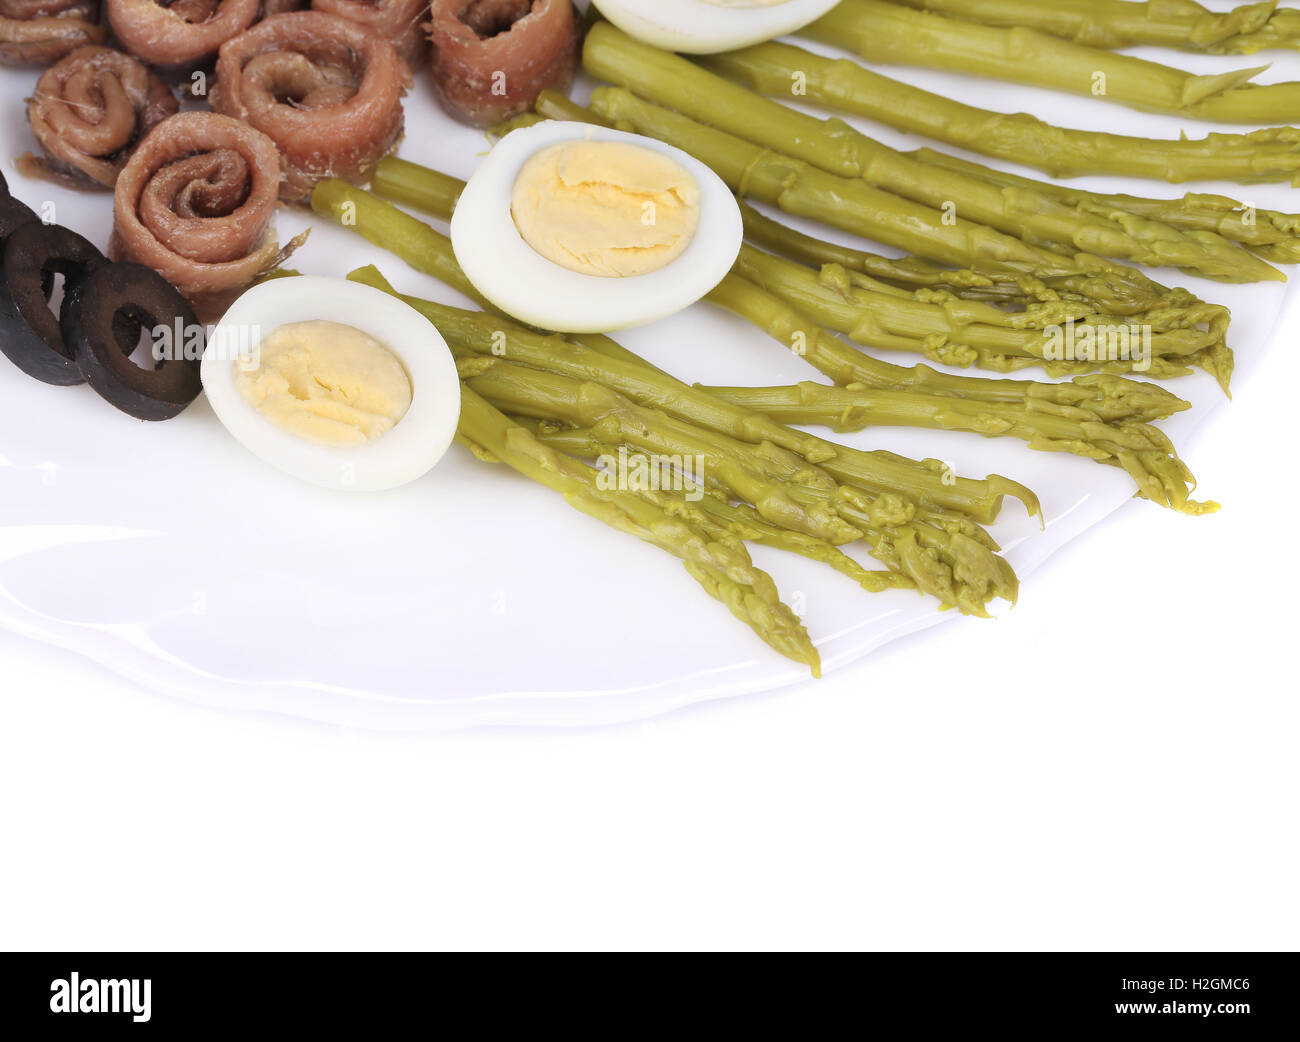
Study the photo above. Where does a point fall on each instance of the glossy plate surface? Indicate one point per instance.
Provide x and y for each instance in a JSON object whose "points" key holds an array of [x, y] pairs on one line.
{"points": [[170, 554]]}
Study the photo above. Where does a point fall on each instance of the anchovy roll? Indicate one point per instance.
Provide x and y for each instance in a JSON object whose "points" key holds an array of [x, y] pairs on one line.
{"points": [[88, 111], [326, 90], [491, 58], [37, 32], [401, 21], [195, 202], [181, 34]]}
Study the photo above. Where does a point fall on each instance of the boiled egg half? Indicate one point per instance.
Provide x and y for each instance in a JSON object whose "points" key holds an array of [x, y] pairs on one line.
{"points": [[710, 26], [333, 382], [583, 229]]}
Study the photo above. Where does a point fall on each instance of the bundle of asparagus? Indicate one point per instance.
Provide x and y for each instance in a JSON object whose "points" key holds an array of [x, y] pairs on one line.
{"points": [[1180, 24], [767, 483], [545, 403], [890, 34], [713, 555], [854, 205], [1023, 211], [1104, 418], [948, 329]]}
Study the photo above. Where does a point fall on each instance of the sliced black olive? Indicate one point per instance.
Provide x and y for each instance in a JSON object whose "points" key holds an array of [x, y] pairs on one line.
{"points": [[103, 315], [29, 330], [13, 214]]}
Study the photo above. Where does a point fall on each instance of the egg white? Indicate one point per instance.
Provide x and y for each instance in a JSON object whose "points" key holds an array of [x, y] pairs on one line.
{"points": [[524, 284], [697, 27], [415, 443]]}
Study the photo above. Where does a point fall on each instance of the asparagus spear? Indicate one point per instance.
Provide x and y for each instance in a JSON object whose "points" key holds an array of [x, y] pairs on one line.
{"points": [[781, 489], [1142, 450], [853, 205], [946, 556], [737, 519], [878, 474], [1090, 406], [890, 34], [1099, 417], [1269, 234], [956, 332], [722, 567], [632, 376], [833, 146], [1006, 288], [780, 496], [782, 70], [780, 485], [1180, 24]]}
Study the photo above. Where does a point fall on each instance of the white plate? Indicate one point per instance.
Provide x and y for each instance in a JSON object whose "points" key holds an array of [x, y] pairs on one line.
{"points": [[168, 553]]}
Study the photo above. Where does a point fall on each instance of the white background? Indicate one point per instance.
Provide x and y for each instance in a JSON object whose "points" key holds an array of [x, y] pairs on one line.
{"points": [[1113, 766]]}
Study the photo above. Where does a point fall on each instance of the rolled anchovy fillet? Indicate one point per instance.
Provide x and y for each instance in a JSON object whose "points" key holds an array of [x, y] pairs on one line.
{"points": [[89, 110], [326, 90], [491, 58], [399, 21], [839, 149], [884, 32], [1180, 24], [178, 35], [781, 70], [38, 32], [196, 202]]}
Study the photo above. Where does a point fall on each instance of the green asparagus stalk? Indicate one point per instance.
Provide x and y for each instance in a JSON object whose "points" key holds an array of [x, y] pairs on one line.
{"points": [[833, 146], [793, 499], [946, 556], [414, 185], [853, 205], [889, 34], [1180, 24], [1269, 234], [1143, 451], [1099, 417], [1091, 406], [952, 331], [735, 519], [723, 568], [1006, 287], [1105, 397], [876, 472], [781, 487], [1009, 289], [783, 71]]}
